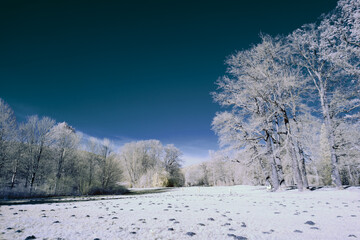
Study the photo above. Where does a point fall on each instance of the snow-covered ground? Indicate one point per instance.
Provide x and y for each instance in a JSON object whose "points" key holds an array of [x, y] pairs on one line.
{"points": [[238, 212]]}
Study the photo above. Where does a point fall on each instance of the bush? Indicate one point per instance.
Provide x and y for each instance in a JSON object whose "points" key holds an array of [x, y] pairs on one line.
{"points": [[115, 190], [21, 192]]}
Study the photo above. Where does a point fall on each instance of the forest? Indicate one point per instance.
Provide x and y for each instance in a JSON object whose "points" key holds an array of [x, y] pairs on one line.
{"points": [[43, 158], [291, 118]]}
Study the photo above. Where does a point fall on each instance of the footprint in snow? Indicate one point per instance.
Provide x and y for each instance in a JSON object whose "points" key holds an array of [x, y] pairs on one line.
{"points": [[237, 237], [310, 223], [30, 237], [190, 234]]}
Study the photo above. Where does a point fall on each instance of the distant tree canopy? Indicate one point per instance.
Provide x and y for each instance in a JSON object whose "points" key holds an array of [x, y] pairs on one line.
{"points": [[149, 163], [293, 104], [41, 158]]}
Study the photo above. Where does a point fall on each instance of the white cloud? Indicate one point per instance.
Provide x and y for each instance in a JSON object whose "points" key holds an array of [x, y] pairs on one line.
{"points": [[116, 142]]}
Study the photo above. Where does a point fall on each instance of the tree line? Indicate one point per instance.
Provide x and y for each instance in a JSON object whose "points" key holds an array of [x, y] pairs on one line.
{"points": [[293, 104], [40, 157]]}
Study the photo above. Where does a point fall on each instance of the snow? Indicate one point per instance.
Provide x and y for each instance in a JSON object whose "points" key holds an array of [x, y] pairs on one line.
{"points": [[192, 213]]}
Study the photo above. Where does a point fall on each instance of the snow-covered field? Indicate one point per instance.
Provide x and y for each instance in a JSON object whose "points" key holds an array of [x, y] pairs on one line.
{"points": [[238, 212]]}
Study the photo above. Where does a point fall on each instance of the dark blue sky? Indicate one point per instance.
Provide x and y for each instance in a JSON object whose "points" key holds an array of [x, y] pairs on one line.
{"points": [[131, 70]]}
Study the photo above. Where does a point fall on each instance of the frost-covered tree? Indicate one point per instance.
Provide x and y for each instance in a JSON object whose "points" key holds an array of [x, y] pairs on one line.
{"points": [[36, 137], [221, 170], [172, 159], [139, 158], [248, 140], [348, 140], [263, 92], [274, 92], [109, 165], [39, 157], [340, 36], [9, 147], [149, 163], [105, 151], [8, 133], [92, 157], [172, 163], [330, 62], [64, 142]]}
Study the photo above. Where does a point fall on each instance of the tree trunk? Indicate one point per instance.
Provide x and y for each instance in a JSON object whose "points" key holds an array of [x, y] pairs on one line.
{"points": [[335, 175], [317, 176], [264, 170], [352, 182], [13, 178], [2, 162], [35, 168], [357, 178], [270, 155], [301, 155], [276, 149], [294, 160], [59, 170], [103, 174], [303, 168], [15, 168], [27, 177], [91, 168]]}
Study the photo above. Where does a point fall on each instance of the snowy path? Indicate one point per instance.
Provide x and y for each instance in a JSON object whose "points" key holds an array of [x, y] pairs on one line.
{"points": [[238, 212]]}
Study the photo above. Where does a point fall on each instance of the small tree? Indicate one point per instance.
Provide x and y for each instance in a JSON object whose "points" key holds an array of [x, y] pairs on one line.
{"points": [[64, 141], [36, 135]]}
